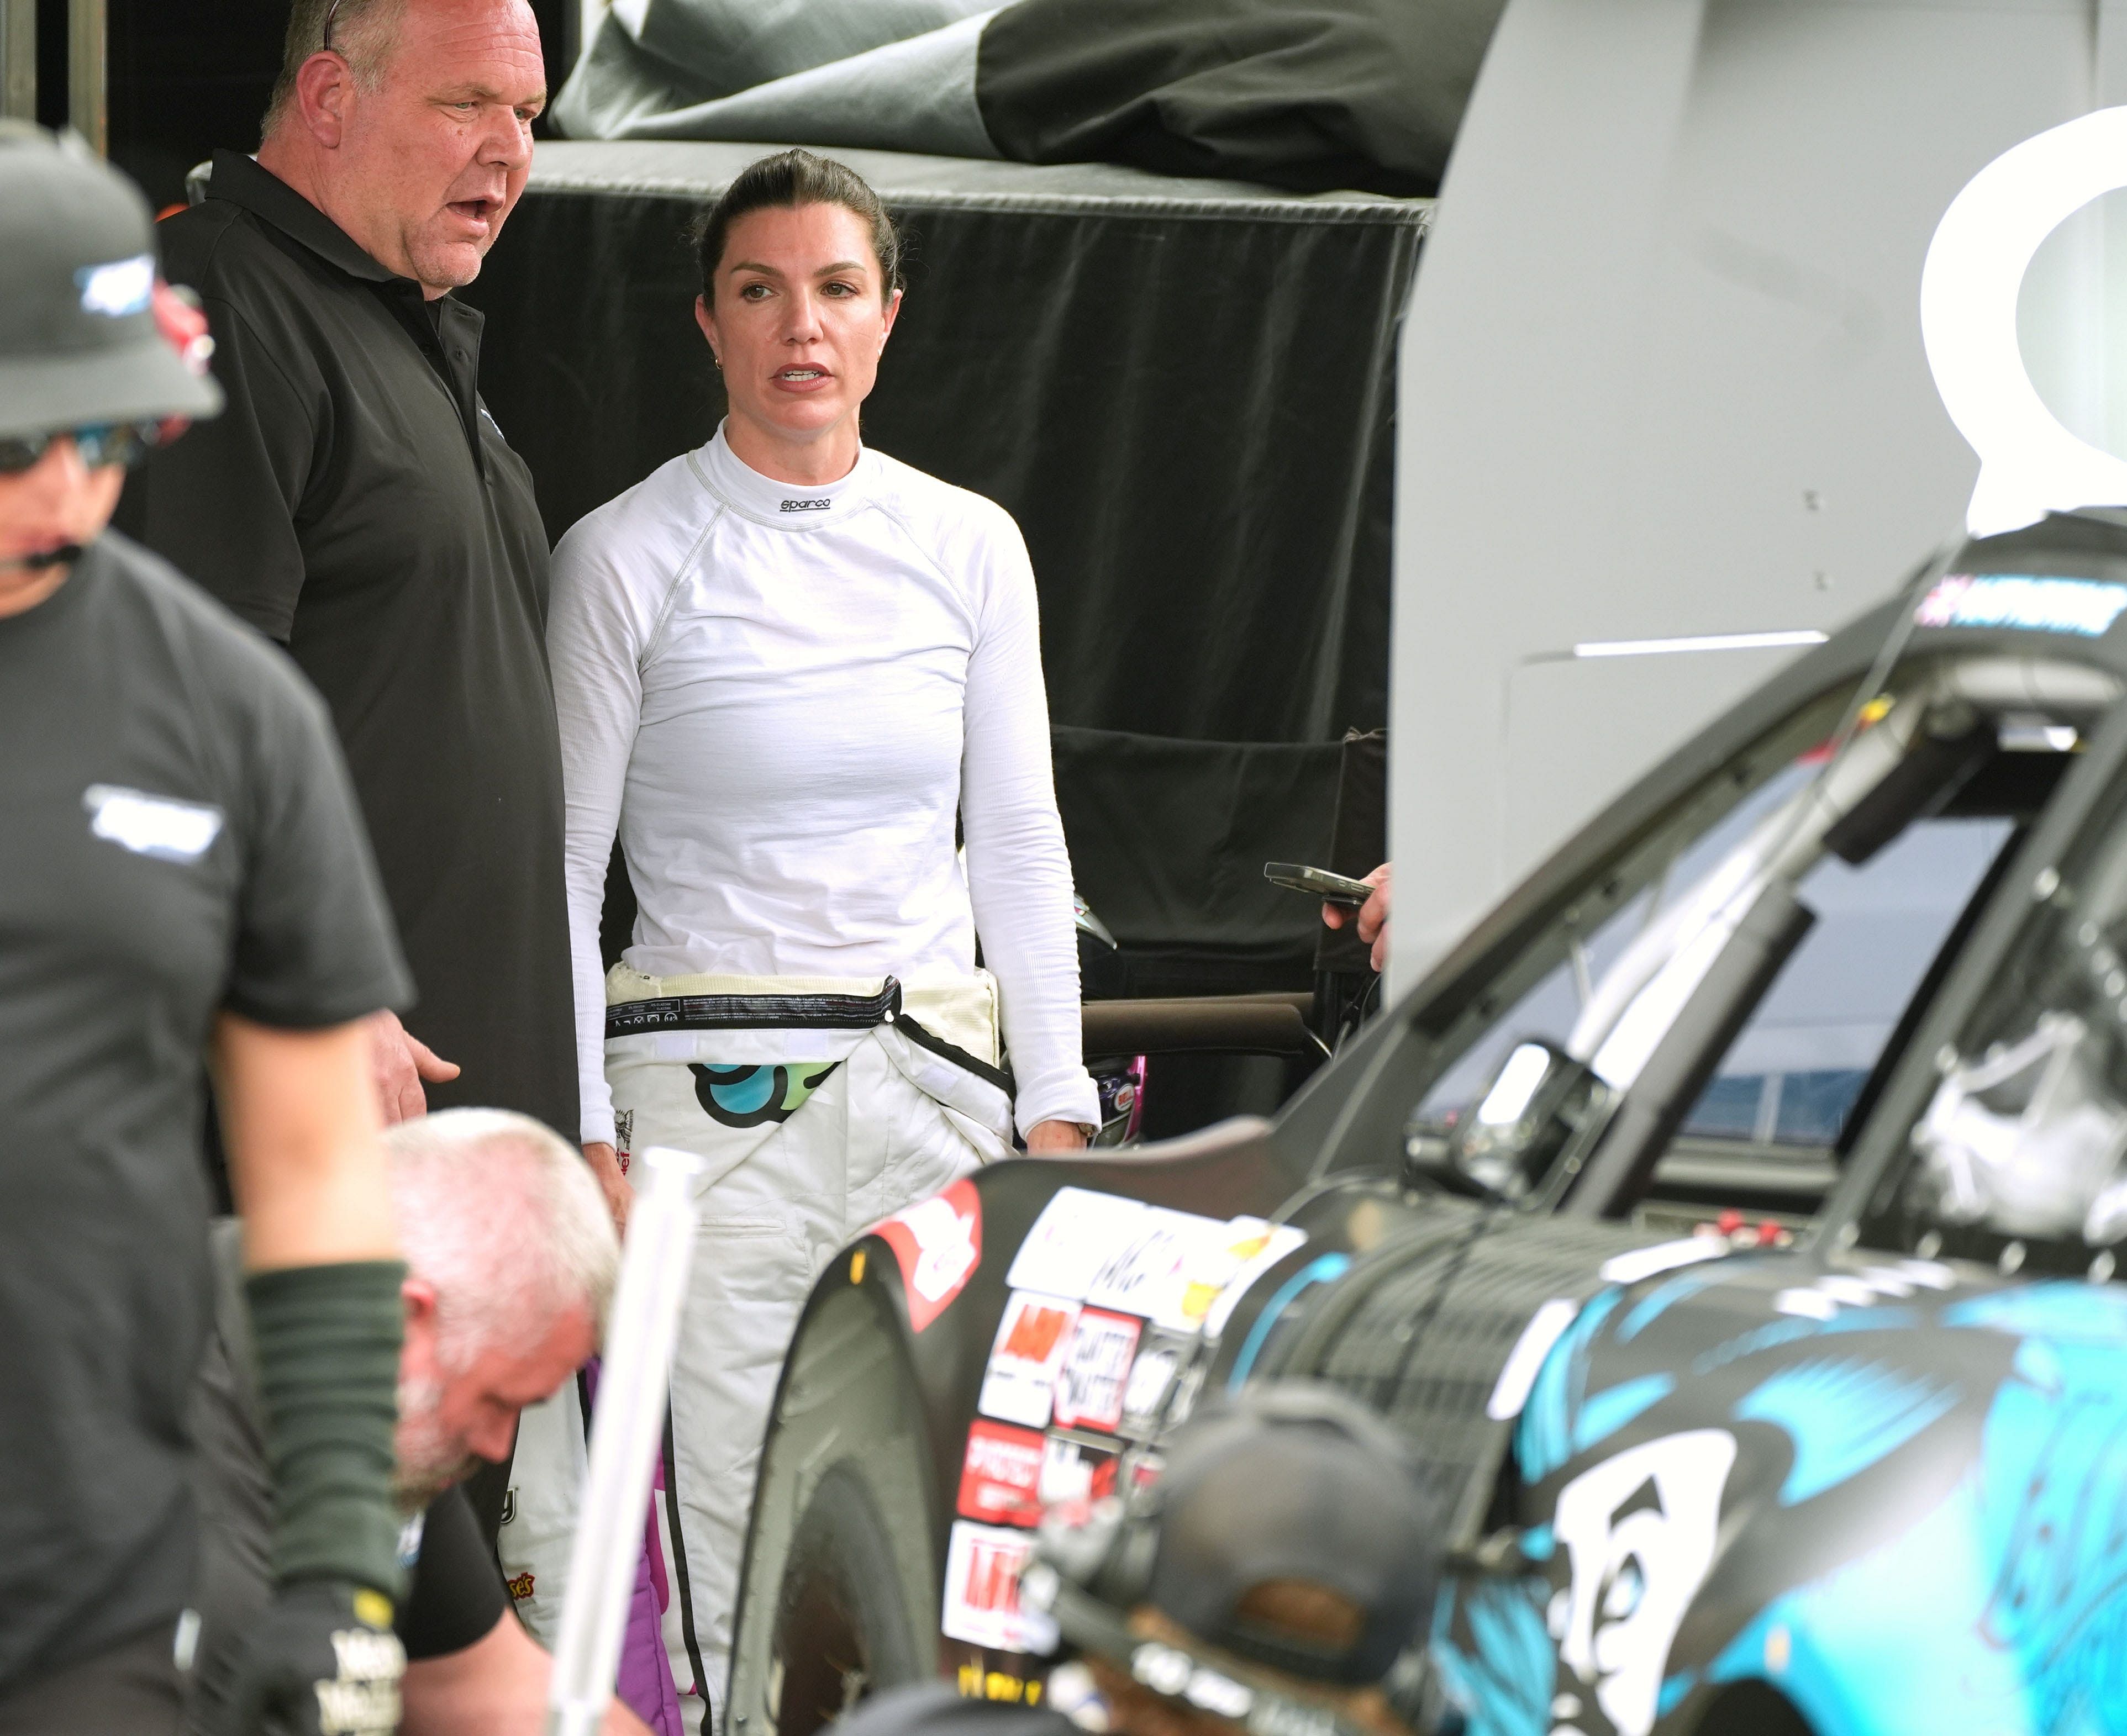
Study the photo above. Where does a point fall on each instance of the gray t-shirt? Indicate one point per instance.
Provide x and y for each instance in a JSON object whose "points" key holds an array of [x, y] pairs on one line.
{"points": [[177, 838]]}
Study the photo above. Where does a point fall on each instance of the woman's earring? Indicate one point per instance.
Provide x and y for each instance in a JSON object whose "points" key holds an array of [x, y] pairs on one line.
{"points": [[718, 360]]}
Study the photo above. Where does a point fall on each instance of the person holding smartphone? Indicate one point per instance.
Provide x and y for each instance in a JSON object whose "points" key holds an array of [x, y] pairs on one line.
{"points": [[786, 666], [1372, 916]]}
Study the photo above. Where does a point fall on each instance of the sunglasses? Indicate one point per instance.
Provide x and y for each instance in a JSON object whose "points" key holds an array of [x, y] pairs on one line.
{"points": [[109, 442]]}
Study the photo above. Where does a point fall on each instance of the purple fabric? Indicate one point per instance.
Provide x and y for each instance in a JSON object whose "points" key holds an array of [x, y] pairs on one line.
{"points": [[645, 1684]]}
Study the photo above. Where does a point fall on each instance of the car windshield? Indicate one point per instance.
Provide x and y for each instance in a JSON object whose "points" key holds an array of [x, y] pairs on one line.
{"points": [[1879, 857], [2019, 1158]]}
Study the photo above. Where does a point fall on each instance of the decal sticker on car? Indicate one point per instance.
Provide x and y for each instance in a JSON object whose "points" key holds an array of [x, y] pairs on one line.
{"points": [[1249, 1248], [1664, 1256], [1511, 1391], [1639, 1528], [1075, 1233], [1001, 1477], [1148, 1272], [1180, 1269], [982, 1603], [1076, 1473], [1095, 1375], [2086, 606], [1152, 1376], [939, 1243], [1021, 1372], [1871, 1287]]}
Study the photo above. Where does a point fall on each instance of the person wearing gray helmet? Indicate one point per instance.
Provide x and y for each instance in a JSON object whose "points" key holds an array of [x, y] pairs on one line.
{"points": [[1277, 1578], [183, 878]]}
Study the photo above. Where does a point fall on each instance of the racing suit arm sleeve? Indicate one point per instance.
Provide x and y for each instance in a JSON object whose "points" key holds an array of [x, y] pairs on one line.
{"points": [[219, 502], [1019, 871], [594, 640]]}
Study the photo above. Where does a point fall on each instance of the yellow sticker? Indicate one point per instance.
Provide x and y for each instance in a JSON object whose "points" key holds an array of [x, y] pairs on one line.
{"points": [[373, 1608], [857, 1266]]}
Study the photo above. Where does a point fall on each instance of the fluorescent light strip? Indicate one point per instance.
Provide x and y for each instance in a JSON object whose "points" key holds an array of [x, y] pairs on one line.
{"points": [[1701, 642]]}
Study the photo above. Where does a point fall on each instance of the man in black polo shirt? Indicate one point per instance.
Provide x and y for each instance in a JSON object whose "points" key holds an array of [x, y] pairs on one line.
{"points": [[182, 875], [358, 503]]}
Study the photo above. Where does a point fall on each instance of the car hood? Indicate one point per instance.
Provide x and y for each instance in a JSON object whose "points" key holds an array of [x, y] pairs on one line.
{"points": [[1894, 1490]]}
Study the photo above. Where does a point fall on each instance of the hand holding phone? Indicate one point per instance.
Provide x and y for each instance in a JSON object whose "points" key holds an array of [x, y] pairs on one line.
{"points": [[1297, 877]]}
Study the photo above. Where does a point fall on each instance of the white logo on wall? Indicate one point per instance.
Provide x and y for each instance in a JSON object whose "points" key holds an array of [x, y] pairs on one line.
{"points": [[1640, 1529], [151, 825]]}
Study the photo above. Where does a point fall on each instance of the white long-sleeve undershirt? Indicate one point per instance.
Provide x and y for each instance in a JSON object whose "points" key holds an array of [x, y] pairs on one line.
{"points": [[780, 696]]}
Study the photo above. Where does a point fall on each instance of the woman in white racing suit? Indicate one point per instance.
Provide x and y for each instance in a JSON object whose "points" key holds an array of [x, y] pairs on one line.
{"points": [[784, 663]]}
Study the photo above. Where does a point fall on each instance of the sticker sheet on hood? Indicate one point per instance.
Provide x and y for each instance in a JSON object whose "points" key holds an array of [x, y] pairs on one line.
{"points": [[1176, 1269]]}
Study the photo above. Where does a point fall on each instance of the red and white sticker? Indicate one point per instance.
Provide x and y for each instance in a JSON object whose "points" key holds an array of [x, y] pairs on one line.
{"points": [[1031, 1342], [939, 1243], [1095, 1375], [981, 1604], [1002, 1477], [1075, 1473]]}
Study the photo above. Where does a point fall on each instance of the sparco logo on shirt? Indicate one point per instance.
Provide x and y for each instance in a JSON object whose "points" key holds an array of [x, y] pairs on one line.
{"points": [[807, 506]]}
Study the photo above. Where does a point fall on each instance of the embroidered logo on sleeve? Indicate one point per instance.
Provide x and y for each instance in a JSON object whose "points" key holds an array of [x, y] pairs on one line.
{"points": [[151, 825]]}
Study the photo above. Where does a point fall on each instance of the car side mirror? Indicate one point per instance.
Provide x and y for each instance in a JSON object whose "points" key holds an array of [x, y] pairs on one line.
{"points": [[1537, 1106]]}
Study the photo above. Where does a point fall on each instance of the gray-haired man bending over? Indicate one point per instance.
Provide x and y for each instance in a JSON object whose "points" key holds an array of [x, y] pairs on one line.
{"points": [[511, 1259]]}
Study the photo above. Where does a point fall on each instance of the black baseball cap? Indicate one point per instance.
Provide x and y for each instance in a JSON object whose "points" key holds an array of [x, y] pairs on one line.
{"points": [[78, 342], [1296, 1483]]}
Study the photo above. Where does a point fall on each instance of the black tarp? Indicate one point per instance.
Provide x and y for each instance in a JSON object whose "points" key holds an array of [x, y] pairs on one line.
{"points": [[1309, 94], [1303, 94], [1184, 392]]}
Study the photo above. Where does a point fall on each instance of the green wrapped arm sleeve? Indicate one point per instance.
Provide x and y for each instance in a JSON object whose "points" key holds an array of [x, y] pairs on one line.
{"points": [[328, 1340]]}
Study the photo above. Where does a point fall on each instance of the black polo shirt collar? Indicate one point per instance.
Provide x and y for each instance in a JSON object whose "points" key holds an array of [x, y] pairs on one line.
{"points": [[447, 331]]}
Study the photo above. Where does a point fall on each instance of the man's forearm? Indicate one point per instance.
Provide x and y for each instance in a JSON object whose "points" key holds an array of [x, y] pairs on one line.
{"points": [[298, 1118], [496, 1686], [308, 1170]]}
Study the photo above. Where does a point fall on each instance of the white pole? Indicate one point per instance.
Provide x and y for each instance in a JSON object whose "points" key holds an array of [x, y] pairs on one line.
{"points": [[625, 1434]]}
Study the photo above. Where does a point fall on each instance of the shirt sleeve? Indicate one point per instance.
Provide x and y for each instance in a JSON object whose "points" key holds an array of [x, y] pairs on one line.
{"points": [[457, 1595], [594, 640], [314, 945], [220, 503], [1019, 871]]}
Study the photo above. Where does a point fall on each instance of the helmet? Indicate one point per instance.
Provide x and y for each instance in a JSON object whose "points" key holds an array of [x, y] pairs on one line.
{"points": [[79, 343]]}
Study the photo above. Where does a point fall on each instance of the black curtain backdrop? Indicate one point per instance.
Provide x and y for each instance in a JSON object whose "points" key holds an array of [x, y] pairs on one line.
{"points": [[1191, 416]]}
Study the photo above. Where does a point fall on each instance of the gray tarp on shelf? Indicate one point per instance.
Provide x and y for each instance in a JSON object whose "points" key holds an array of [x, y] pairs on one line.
{"points": [[1306, 94], [1183, 391]]}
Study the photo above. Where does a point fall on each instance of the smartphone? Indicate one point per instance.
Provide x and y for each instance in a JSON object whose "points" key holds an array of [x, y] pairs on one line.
{"points": [[1297, 877]]}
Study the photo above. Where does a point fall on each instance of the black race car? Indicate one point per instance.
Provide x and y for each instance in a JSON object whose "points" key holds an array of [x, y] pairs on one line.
{"points": [[1858, 1470]]}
